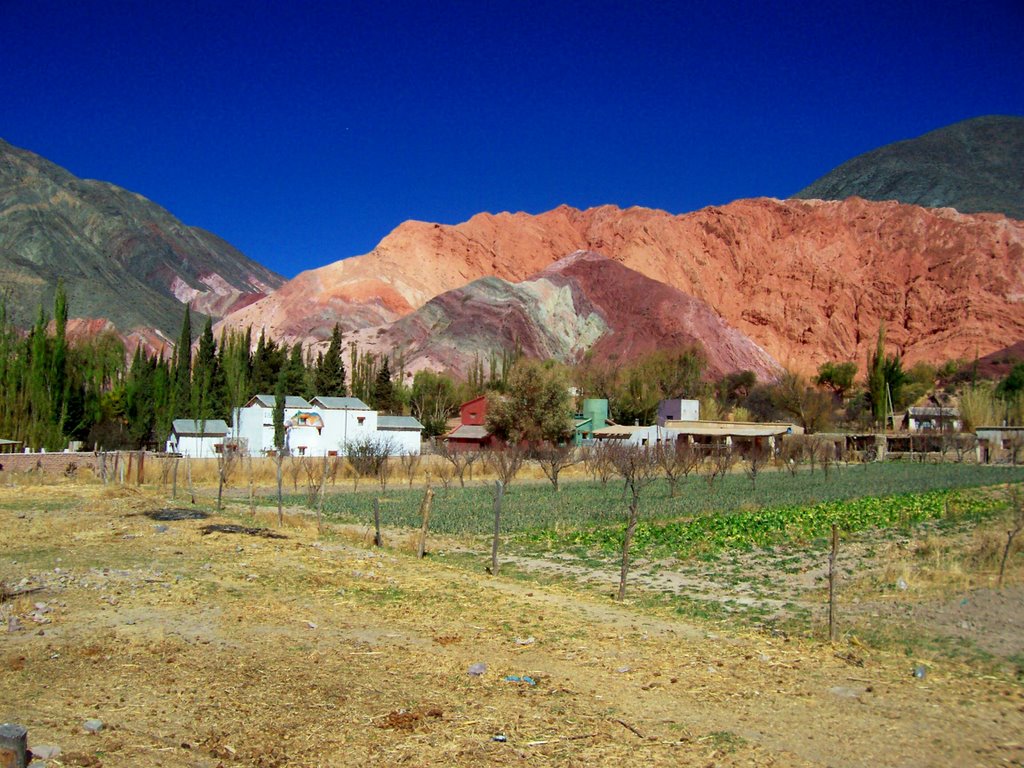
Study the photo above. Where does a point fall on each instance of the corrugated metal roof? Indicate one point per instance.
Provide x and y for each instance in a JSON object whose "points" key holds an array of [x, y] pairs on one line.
{"points": [[290, 401], [341, 403], [729, 428], [399, 422], [468, 432], [209, 428]]}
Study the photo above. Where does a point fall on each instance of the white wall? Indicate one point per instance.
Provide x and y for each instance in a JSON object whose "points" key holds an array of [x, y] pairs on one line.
{"points": [[198, 447], [405, 442]]}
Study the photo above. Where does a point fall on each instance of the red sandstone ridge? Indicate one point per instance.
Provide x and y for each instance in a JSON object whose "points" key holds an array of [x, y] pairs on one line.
{"points": [[807, 280]]}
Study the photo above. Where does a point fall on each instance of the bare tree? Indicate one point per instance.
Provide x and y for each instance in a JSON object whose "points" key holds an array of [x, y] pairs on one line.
{"points": [[460, 459], [677, 460], [964, 444], [553, 458], [717, 464], [410, 463], [598, 462], [637, 465], [227, 461], [1017, 521], [294, 470], [506, 462], [370, 457], [755, 461]]}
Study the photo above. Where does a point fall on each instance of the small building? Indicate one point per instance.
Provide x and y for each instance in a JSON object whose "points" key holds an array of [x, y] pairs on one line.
{"points": [[10, 446], [931, 419], [471, 432], [1000, 444], [198, 438], [404, 432], [731, 435], [592, 416], [678, 409], [633, 434]]}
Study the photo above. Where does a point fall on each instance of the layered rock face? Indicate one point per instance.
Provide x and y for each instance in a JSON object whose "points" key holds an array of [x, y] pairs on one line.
{"points": [[808, 281], [582, 303], [121, 256]]}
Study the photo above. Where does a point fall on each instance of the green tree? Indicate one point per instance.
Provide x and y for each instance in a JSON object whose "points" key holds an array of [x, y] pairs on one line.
{"points": [[280, 395], [330, 370], [838, 377], [383, 389], [433, 401], [536, 406], [182, 369]]}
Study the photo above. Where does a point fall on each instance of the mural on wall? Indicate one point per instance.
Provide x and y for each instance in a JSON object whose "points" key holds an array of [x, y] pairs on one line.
{"points": [[306, 419]]}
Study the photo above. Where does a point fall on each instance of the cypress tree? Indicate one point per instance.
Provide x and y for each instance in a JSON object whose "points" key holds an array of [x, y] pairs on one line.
{"points": [[182, 369], [383, 389], [330, 370]]}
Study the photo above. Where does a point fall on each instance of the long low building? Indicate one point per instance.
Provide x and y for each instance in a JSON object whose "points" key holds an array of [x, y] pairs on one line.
{"points": [[728, 433]]}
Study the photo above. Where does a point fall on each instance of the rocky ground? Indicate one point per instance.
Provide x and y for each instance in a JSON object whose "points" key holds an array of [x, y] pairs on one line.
{"points": [[127, 640]]}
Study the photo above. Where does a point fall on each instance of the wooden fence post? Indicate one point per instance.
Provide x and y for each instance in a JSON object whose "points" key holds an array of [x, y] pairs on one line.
{"points": [[425, 513], [499, 492], [13, 746], [833, 629], [378, 540]]}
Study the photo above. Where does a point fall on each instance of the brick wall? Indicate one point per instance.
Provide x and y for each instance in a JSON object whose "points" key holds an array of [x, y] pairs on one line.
{"points": [[55, 463]]}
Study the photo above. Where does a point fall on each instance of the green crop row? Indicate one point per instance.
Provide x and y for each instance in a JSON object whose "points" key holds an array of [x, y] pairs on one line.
{"points": [[770, 526], [583, 505]]}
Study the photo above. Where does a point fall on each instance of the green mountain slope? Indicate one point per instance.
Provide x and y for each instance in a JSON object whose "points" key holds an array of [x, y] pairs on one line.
{"points": [[975, 166], [121, 256]]}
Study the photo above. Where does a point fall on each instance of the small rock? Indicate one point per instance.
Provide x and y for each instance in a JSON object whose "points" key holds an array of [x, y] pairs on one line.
{"points": [[526, 640], [45, 751], [477, 669], [160, 528], [901, 585], [13, 624], [624, 670], [920, 671], [93, 725]]}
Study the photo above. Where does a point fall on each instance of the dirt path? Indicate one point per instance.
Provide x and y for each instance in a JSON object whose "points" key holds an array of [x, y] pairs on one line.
{"points": [[225, 649]]}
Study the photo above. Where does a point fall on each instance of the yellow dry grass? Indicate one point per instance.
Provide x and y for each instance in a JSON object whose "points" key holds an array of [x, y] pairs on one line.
{"points": [[317, 650]]}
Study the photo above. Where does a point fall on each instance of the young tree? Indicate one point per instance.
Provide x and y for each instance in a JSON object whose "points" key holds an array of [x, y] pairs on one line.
{"points": [[677, 460], [460, 460], [182, 369], [279, 438], [506, 461], [637, 466], [555, 457], [811, 408]]}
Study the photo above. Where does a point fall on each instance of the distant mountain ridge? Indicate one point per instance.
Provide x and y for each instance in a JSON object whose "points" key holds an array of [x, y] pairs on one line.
{"points": [[974, 166], [122, 257], [806, 280]]}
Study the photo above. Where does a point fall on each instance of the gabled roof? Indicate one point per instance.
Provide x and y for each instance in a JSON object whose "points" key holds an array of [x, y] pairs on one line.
{"points": [[467, 432], [267, 401], [207, 428], [341, 403], [399, 423]]}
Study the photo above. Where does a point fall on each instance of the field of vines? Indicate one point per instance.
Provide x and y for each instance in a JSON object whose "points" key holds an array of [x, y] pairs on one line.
{"points": [[702, 518]]}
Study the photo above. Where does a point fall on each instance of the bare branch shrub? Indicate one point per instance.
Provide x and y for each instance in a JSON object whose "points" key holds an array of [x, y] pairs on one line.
{"points": [[555, 458]]}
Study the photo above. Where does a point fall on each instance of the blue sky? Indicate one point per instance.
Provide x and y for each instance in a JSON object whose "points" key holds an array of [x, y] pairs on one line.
{"points": [[304, 132]]}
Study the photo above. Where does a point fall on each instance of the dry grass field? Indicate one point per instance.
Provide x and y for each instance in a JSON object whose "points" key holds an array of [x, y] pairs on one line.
{"points": [[223, 648]]}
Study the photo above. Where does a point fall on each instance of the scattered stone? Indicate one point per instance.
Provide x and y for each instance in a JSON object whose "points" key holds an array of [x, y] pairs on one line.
{"points": [[526, 640], [45, 751], [624, 670], [477, 669], [901, 585], [93, 725]]}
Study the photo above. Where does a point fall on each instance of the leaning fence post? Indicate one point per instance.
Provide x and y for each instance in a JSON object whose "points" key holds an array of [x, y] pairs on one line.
{"points": [[833, 629], [13, 746]]}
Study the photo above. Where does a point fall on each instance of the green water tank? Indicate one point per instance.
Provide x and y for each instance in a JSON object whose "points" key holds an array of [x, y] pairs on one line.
{"points": [[597, 412]]}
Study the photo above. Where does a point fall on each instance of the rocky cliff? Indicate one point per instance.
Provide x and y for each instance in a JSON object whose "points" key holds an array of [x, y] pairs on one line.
{"points": [[808, 281]]}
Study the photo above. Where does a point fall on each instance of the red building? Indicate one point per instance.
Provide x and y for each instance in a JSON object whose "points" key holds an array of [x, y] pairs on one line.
{"points": [[471, 433]]}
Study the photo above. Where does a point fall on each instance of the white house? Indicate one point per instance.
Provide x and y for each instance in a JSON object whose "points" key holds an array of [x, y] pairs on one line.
{"points": [[346, 420], [323, 426], [254, 424], [198, 439]]}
